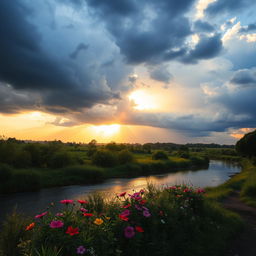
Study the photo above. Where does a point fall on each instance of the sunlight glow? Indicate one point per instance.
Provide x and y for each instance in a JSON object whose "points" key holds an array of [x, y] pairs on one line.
{"points": [[142, 100], [107, 130]]}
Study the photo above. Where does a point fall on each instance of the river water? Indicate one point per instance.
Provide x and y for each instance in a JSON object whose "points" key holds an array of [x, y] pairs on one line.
{"points": [[32, 203]]}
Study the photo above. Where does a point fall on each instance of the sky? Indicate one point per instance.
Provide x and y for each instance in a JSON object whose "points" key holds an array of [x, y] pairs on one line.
{"points": [[128, 70]]}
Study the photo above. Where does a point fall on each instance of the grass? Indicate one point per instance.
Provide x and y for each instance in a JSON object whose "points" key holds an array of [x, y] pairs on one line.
{"points": [[243, 182]]}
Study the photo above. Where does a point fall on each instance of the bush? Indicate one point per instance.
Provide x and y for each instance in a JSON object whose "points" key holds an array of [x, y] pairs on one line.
{"points": [[5, 172], [125, 156], [61, 159], [104, 158], [160, 155]]}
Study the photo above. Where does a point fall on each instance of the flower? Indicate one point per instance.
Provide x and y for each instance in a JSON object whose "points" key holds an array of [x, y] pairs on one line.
{"points": [[142, 202], [80, 250], [56, 224], [139, 229], [126, 213], [59, 214], [83, 209], [126, 206], [129, 232], [98, 221], [66, 201], [72, 231], [138, 207], [30, 226], [82, 201], [88, 214], [122, 194], [40, 215], [146, 214], [122, 217], [200, 190]]}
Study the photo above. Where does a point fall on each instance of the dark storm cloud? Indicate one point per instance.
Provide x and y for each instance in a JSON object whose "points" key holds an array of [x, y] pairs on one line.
{"points": [[206, 48], [145, 31], [28, 67], [161, 73], [203, 26], [13, 102], [79, 48], [244, 77], [221, 6], [250, 27]]}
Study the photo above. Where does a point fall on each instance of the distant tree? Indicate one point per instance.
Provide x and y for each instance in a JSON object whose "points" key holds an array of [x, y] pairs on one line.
{"points": [[125, 157], [92, 147], [160, 155], [246, 146]]}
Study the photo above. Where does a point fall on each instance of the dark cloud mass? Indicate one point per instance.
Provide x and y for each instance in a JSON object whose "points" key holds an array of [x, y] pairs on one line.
{"points": [[79, 48], [161, 73], [250, 27]]}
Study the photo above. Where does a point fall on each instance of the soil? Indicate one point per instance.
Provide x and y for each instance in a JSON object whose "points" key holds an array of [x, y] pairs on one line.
{"points": [[245, 243]]}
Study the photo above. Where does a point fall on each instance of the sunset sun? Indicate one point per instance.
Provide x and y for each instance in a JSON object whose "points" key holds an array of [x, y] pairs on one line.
{"points": [[106, 130], [142, 100]]}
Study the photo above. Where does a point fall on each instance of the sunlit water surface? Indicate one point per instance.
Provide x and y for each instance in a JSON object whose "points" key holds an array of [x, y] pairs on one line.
{"points": [[32, 203]]}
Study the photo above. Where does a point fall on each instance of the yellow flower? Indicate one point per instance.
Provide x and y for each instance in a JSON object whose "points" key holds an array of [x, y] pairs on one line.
{"points": [[98, 221], [108, 218]]}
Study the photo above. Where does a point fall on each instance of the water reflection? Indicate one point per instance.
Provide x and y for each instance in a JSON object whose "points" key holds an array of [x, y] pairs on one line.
{"points": [[34, 202]]}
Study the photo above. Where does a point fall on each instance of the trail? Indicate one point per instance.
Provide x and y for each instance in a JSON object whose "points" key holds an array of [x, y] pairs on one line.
{"points": [[245, 243]]}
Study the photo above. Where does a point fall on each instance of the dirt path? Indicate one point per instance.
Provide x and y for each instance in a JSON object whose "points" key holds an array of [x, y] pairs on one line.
{"points": [[245, 243]]}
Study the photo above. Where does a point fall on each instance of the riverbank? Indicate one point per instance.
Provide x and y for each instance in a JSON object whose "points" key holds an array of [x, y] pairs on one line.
{"points": [[20, 180]]}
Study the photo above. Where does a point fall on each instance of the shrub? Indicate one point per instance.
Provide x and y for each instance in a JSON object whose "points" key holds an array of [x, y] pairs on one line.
{"points": [[160, 155], [61, 159], [125, 156], [5, 172], [104, 158]]}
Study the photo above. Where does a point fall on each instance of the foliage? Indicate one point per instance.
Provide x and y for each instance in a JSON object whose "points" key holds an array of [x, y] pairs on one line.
{"points": [[246, 146], [125, 157], [104, 158], [159, 155]]}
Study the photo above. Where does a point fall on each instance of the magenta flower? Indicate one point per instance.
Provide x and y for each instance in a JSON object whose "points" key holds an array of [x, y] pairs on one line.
{"points": [[146, 214], [200, 190], [39, 216], [129, 232], [56, 224], [126, 213], [80, 250], [66, 201]]}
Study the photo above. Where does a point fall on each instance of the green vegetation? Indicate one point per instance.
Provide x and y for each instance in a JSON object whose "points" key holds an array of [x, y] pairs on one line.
{"points": [[247, 145], [31, 166], [176, 220]]}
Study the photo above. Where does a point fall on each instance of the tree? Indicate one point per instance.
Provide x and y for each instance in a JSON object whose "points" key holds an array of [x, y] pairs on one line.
{"points": [[246, 146]]}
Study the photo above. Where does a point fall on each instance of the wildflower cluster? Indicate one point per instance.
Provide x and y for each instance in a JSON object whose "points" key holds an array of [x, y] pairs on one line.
{"points": [[121, 226]]}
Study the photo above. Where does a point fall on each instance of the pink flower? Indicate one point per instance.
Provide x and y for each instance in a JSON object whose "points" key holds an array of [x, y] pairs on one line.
{"points": [[83, 210], [129, 232], [200, 190], [72, 231], [40, 215], [122, 194], [146, 214], [66, 201], [126, 213], [59, 214], [56, 224], [122, 217]]}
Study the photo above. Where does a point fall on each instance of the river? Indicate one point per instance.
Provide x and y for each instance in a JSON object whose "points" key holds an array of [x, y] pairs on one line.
{"points": [[31, 203]]}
